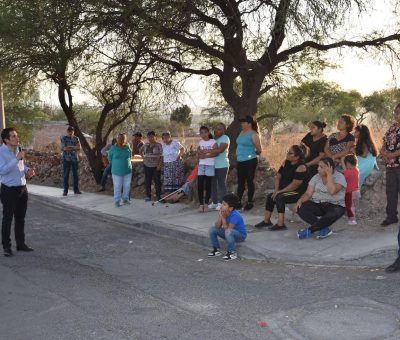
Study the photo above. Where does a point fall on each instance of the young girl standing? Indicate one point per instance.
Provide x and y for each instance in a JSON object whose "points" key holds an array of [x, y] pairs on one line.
{"points": [[206, 167], [351, 174]]}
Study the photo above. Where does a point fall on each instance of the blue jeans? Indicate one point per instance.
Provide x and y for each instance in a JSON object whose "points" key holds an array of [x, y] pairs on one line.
{"points": [[67, 166], [231, 236], [122, 184], [106, 172]]}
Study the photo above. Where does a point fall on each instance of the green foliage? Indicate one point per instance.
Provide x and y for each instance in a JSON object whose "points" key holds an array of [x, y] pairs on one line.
{"points": [[22, 106], [311, 101], [382, 104], [182, 115], [87, 117]]}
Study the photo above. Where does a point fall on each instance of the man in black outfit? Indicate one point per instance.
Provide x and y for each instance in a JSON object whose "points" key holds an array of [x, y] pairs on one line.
{"points": [[14, 195]]}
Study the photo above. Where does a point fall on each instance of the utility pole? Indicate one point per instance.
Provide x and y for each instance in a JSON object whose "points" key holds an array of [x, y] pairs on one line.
{"points": [[2, 113]]}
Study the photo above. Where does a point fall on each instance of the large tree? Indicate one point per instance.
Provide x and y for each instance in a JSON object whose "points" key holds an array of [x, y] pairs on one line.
{"points": [[248, 42], [62, 41]]}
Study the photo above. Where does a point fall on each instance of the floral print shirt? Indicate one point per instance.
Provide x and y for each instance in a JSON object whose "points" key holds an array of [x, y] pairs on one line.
{"points": [[391, 142]]}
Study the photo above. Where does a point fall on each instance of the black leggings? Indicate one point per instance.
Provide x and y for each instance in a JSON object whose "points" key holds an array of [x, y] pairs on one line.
{"points": [[246, 171], [204, 182], [280, 200]]}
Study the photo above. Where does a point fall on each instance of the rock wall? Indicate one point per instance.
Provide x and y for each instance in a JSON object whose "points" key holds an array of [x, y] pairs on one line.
{"points": [[48, 167]]}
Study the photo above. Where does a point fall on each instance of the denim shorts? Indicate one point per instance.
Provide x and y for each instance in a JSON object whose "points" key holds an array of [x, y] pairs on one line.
{"points": [[186, 188], [206, 170]]}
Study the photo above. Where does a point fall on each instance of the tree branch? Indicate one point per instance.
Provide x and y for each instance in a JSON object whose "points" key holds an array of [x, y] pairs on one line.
{"points": [[344, 43]]}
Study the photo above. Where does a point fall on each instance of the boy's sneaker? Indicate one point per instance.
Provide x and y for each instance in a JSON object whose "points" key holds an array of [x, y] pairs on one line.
{"points": [[352, 222], [324, 233], [304, 233], [212, 206], [218, 208], [214, 253], [117, 204], [126, 202], [230, 255]]}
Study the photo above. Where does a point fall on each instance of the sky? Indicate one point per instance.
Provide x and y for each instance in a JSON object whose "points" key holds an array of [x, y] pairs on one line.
{"points": [[362, 73]]}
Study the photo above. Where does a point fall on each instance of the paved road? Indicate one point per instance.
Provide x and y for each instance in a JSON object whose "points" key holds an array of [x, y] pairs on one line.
{"points": [[91, 279]]}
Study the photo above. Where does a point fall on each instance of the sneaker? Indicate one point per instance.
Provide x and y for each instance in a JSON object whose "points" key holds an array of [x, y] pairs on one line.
{"points": [[101, 189], [352, 222], [248, 206], [218, 208], [65, 193], [263, 224], [230, 255], [147, 199], [324, 233], [394, 267], [126, 202], [214, 253], [304, 233], [8, 252], [212, 206], [78, 192], [117, 204], [239, 206], [276, 227]]}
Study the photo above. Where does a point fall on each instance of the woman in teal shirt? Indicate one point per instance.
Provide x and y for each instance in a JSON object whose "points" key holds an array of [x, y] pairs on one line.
{"points": [[219, 187], [120, 158], [248, 147]]}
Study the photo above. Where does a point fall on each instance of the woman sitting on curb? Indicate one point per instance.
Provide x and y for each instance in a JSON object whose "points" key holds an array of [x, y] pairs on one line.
{"points": [[290, 183], [323, 203]]}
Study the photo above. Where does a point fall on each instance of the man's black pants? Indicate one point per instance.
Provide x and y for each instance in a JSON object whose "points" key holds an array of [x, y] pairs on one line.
{"points": [[15, 203], [149, 174]]}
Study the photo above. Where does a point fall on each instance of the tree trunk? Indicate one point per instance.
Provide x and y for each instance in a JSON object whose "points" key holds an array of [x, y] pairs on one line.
{"points": [[96, 164]]}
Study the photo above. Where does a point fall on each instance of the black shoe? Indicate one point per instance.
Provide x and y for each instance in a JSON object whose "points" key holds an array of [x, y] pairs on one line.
{"points": [[248, 206], [277, 227], [230, 255], [102, 189], [239, 206], [65, 193], [394, 267], [24, 248], [78, 192], [8, 252], [263, 224], [388, 222]]}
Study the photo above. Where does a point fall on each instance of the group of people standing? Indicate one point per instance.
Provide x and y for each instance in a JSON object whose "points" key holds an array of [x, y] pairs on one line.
{"points": [[155, 156], [214, 164]]}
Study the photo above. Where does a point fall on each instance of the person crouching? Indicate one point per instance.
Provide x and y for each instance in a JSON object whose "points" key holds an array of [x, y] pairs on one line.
{"points": [[229, 226]]}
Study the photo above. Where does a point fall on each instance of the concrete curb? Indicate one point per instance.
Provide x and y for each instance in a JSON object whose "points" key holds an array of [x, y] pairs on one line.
{"points": [[182, 234]]}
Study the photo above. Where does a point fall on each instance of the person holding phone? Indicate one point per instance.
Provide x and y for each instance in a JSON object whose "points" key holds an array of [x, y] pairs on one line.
{"points": [[324, 201], [14, 195]]}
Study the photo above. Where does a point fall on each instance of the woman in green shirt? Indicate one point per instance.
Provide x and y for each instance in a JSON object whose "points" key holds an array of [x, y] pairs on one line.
{"points": [[119, 157]]}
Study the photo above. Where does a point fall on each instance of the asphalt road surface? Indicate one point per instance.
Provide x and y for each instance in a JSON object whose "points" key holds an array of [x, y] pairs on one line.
{"points": [[89, 278]]}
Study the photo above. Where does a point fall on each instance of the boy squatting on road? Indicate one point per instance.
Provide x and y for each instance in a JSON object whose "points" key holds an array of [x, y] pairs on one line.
{"points": [[229, 226]]}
